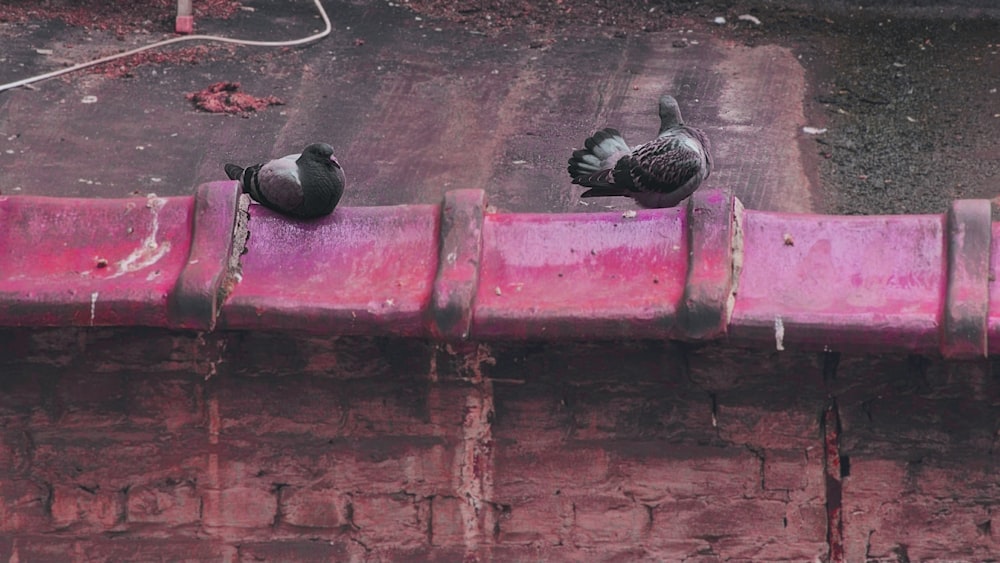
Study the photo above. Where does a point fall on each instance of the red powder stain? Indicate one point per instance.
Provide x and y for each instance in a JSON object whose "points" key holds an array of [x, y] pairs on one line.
{"points": [[123, 67], [224, 97]]}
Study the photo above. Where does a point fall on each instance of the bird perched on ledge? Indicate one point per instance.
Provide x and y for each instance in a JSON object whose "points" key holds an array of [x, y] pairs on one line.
{"points": [[303, 185], [660, 173]]}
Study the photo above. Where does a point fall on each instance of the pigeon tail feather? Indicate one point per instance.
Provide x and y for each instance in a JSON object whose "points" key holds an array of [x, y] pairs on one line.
{"points": [[234, 172], [606, 191], [605, 143], [600, 153]]}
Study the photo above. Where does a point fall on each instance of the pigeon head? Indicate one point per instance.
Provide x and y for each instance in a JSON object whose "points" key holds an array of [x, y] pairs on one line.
{"points": [[321, 152], [670, 113]]}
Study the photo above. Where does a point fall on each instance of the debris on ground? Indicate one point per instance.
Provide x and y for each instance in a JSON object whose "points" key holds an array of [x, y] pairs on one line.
{"points": [[122, 68], [225, 97], [491, 17], [121, 18]]}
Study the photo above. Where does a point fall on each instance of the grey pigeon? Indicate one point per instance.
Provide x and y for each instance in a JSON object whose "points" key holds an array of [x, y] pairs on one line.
{"points": [[301, 185], [660, 173]]}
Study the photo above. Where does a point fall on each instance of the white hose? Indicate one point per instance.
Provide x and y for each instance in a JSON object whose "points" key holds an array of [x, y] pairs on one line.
{"points": [[326, 31]]}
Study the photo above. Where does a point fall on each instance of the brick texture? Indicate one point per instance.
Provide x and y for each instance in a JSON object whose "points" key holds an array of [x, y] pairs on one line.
{"points": [[921, 439], [139, 444]]}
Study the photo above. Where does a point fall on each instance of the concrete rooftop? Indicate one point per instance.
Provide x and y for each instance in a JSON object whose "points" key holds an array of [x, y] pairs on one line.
{"points": [[416, 105]]}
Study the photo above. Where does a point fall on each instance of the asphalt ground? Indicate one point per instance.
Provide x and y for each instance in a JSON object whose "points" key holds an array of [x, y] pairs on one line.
{"points": [[419, 99]]}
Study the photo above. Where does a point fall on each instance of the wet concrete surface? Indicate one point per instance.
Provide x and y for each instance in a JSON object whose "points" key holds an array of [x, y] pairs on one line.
{"points": [[417, 105]]}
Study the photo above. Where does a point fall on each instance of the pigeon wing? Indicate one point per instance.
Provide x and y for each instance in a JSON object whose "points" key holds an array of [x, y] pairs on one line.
{"points": [[278, 184], [665, 164], [706, 147]]}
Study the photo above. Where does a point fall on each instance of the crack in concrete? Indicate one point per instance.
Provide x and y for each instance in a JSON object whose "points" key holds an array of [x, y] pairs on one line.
{"points": [[758, 453], [736, 267], [430, 516], [363, 545], [234, 268], [279, 512], [50, 497], [834, 490], [868, 545], [685, 368], [831, 361], [475, 464]]}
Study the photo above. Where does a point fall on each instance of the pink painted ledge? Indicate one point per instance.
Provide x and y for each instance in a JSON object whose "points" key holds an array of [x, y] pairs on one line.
{"points": [[706, 270]]}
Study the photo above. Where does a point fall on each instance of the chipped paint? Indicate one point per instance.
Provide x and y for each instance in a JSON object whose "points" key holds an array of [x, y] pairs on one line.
{"points": [[475, 457], [737, 264]]}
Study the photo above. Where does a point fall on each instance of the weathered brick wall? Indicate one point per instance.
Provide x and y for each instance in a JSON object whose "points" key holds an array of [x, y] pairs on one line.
{"points": [[149, 445]]}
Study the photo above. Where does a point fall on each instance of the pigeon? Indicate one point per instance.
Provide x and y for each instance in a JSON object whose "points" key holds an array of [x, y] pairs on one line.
{"points": [[660, 173], [303, 185]]}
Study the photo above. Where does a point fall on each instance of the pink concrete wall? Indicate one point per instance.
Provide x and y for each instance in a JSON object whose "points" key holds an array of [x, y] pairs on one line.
{"points": [[439, 383]]}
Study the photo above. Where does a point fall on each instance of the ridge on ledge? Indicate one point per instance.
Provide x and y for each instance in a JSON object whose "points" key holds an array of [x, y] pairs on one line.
{"points": [[705, 270]]}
